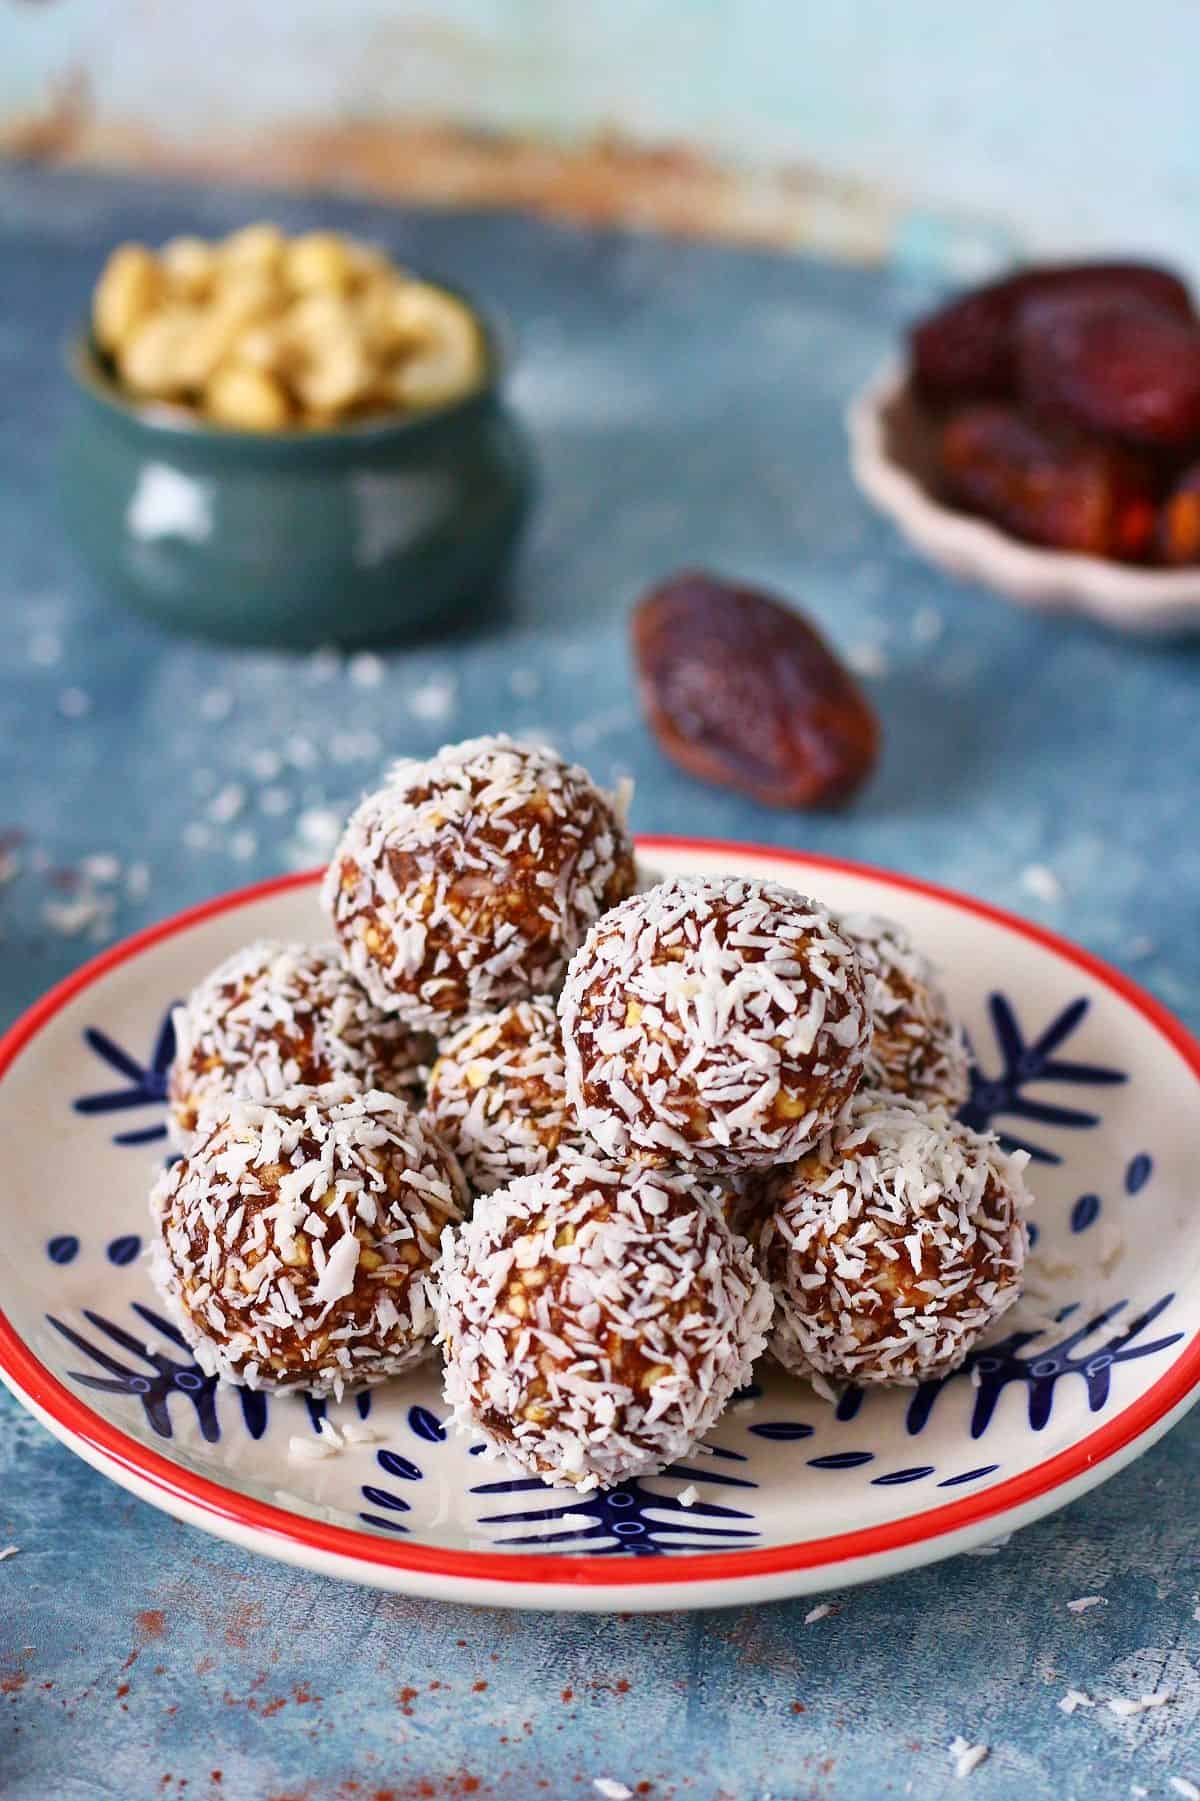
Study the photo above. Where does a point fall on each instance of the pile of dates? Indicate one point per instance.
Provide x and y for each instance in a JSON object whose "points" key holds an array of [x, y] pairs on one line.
{"points": [[1066, 400]]}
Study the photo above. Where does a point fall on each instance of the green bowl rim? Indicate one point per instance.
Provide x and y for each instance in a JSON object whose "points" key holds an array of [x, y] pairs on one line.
{"points": [[84, 363]]}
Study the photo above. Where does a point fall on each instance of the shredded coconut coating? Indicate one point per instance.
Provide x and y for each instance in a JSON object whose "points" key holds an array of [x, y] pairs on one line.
{"points": [[596, 1320], [498, 1095], [469, 880], [893, 1246], [293, 1244], [277, 1016], [917, 1049], [715, 1023]]}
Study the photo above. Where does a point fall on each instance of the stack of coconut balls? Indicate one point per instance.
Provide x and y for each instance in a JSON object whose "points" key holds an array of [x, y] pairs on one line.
{"points": [[601, 1142]]}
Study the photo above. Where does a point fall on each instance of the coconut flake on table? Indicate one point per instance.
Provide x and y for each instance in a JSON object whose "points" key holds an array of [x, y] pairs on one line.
{"points": [[611, 1790], [1126, 1707], [275, 802], [319, 828], [102, 868], [265, 764], [215, 705], [1086, 1601], [366, 669], [1074, 1699], [1040, 881], [967, 1757], [45, 649], [87, 911], [1180, 1785], [227, 803], [301, 752], [434, 700], [9, 1551], [820, 1612]]}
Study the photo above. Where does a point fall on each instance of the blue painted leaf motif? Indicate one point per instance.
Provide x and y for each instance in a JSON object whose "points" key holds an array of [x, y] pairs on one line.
{"points": [[1085, 1212], [625, 1521], [382, 1497], [63, 1249], [153, 1385], [395, 1465], [841, 1460], [896, 1477], [426, 1425], [124, 1250], [1003, 1096], [146, 1084], [1138, 1173], [254, 1410], [384, 1525], [162, 1377], [783, 1430], [985, 1469], [995, 1366]]}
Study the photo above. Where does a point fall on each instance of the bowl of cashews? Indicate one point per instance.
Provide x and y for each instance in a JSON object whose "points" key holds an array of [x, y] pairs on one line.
{"points": [[290, 441]]}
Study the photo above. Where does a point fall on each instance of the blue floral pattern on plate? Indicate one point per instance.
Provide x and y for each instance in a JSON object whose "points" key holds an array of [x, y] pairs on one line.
{"points": [[709, 1501]]}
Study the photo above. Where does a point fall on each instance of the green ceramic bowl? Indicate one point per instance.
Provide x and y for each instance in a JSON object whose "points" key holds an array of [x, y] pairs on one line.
{"points": [[363, 533]]}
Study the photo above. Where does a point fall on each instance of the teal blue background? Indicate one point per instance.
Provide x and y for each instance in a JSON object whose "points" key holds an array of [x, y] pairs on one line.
{"points": [[687, 404], [1067, 124]]}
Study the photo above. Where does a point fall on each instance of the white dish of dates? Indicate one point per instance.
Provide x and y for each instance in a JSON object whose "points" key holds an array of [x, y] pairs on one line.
{"points": [[1043, 438]]}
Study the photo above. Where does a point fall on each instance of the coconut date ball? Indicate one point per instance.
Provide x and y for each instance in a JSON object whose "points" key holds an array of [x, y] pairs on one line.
{"points": [[917, 1048], [714, 1023], [893, 1245], [498, 1095], [595, 1320], [276, 1016], [468, 881], [293, 1243]]}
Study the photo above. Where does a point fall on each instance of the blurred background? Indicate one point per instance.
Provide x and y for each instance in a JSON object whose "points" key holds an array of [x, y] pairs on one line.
{"points": [[951, 131]]}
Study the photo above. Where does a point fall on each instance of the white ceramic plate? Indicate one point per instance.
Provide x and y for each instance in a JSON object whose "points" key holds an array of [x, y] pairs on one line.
{"points": [[793, 1495], [891, 457]]}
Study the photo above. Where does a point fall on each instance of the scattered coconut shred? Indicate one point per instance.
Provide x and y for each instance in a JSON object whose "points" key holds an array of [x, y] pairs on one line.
{"points": [[9, 1551], [331, 1441], [1125, 1707], [1181, 1786], [1084, 1602], [967, 1758], [612, 1791]]}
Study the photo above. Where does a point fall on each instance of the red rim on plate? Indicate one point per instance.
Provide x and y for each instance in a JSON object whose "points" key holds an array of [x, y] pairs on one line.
{"points": [[28, 1375]]}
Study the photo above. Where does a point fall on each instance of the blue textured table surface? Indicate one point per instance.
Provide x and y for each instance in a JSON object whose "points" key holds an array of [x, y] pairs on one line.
{"points": [[687, 402]]}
